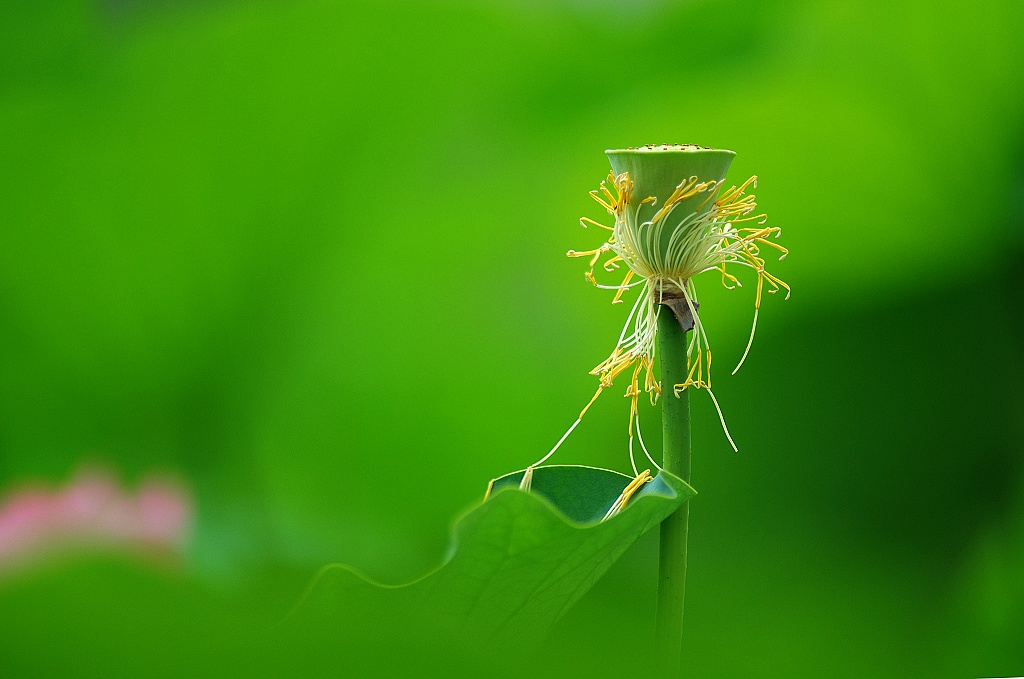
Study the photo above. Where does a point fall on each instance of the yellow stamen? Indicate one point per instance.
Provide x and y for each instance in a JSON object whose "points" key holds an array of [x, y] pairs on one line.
{"points": [[622, 287], [587, 407], [628, 492], [584, 221]]}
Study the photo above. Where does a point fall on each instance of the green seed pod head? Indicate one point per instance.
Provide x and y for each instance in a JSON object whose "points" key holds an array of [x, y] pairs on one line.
{"points": [[658, 169], [664, 202]]}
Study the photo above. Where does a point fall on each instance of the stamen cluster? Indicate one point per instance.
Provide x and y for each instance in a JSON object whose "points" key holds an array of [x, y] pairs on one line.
{"points": [[666, 251]]}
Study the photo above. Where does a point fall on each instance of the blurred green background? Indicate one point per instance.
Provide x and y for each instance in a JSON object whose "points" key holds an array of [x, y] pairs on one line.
{"points": [[310, 257]]}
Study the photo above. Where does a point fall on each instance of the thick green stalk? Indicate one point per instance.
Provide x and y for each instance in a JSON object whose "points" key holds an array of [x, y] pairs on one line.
{"points": [[675, 416]]}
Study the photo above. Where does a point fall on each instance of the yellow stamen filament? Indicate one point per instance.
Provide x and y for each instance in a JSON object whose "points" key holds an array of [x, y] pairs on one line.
{"points": [[593, 398], [628, 492], [584, 221], [623, 287]]}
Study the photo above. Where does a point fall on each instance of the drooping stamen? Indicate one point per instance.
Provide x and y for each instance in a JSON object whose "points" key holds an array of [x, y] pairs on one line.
{"points": [[632, 460], [628, 492], [570, 429], [640, 436], [557, 445], [750, 341], [527, 481], [721, 418]]}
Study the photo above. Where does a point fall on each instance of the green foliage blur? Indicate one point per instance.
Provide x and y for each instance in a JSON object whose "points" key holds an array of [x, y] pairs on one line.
{"points": [[309, 257]]}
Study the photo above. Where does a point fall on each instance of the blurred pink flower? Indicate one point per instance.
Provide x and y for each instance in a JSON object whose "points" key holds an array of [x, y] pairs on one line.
{"points": [[92, 511]]}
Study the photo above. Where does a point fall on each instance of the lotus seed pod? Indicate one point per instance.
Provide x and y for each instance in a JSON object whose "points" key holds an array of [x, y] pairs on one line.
{"points": [[656, 170]]}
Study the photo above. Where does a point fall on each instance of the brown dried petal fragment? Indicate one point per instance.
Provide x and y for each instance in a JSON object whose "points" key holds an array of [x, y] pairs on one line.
{"points": [[675, 299]]}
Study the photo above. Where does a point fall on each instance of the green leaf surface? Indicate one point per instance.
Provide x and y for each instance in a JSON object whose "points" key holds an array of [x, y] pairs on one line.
{"points": [[516, 564]]}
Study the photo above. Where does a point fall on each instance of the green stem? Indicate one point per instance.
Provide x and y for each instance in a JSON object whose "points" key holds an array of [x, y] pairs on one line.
{"points": [[675, 416]]}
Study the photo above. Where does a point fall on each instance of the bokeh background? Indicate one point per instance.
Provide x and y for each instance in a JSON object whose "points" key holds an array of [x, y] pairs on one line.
{"points": [[307, 260]]}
